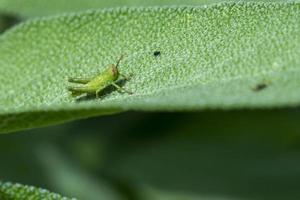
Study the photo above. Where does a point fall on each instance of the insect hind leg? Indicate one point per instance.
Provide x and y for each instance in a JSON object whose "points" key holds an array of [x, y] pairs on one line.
{"points": [[79, 90], [79, 80]]}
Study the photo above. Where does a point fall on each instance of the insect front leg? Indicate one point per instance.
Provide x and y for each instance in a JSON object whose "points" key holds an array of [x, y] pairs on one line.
{"points": [[127, 78], [79, 80], [121, 89]]}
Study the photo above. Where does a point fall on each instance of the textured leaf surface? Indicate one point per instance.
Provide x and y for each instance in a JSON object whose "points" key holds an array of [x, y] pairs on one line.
{"points": [[9, 191], [33, 8], [211, 57]]}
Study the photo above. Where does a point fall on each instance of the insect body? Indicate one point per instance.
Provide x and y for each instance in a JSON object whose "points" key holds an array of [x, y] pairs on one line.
{"points": [[261, 86], [156, 53], [97, 84]]}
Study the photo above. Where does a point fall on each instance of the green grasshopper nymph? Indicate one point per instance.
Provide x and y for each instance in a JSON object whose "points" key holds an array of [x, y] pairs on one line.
{"points": [[98, 83]]}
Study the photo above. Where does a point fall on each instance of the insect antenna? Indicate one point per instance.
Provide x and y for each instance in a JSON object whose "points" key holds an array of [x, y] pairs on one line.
{"points": [[121, 58]]}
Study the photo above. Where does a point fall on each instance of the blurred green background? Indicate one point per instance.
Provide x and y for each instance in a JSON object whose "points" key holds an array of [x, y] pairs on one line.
{"points": [[250, 154]]}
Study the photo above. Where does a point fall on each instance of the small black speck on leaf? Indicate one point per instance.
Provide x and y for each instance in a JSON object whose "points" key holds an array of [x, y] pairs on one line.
{"points": [[260, 87], [156, 53]]}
